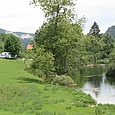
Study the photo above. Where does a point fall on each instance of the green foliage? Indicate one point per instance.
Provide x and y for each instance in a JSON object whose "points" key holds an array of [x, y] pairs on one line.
{"points": [[109, 44], [12, 44], [109, 49], [76, 59], [22, 93], [111, 70], [43, 63], [111, 31], [12, 72], [28, 54], [3, 36], [106, 109], [63, 80], [54, 8], [94, 31], [60, 34], [111, 57], [111, 80], [1, 46], [82, 100], [2, 40], [92, 48]]}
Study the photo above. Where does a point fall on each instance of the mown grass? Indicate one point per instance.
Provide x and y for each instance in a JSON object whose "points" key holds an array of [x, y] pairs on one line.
{"points": [[22, 93], [12, 72]]}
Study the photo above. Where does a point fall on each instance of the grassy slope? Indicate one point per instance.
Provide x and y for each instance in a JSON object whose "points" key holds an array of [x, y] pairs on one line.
{"points": [[24, 94], [12, 72]]}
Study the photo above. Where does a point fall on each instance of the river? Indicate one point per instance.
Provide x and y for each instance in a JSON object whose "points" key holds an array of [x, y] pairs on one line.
{"points": [[94, 81]]}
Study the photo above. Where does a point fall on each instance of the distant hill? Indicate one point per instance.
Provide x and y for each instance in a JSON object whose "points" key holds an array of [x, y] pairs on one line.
{"points": [[23, 33], [2, 30], [24, 37], [19, 34], [111, 31]]}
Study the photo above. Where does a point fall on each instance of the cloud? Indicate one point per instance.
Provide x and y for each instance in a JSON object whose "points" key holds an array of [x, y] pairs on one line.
{"points": [[100, 11], [18, 15]]}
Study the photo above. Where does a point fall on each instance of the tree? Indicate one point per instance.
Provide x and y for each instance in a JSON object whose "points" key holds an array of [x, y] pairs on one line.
{"points": [[111, 57], [109, 44], [12, 45], [53, 8], [94, 31], [1, 46], [2, 40], [60, 33], [43, 63], [111, 70], [3, 36], [92, 46]]}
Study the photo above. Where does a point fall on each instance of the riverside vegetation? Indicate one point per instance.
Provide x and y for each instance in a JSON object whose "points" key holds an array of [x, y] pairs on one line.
{"points": [[61, 48], [22, 93]]}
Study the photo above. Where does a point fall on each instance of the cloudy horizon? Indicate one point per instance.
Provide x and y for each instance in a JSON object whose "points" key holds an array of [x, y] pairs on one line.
{"points": [[18, 15]]}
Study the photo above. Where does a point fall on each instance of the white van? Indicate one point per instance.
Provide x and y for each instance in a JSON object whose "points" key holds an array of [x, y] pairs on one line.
{"points": [[5, 55]]}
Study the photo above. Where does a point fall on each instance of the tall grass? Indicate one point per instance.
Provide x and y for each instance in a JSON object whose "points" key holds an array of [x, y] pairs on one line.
{"points": [[24, 94]]}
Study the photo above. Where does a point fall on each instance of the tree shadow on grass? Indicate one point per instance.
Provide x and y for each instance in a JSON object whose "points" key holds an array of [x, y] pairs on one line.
{"points": [[29, 80]]}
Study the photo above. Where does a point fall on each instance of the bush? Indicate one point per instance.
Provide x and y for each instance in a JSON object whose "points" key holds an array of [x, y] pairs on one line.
{"points": [[106, 109], [63, 80], [112, 57], [111, 70], [43, 63]]}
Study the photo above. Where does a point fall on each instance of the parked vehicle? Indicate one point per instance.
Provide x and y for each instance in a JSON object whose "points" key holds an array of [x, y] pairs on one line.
{"points": [[5, 55]]}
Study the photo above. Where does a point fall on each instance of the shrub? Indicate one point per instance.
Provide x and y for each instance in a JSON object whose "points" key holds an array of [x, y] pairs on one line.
{"points": [[111, 70], [106, 109], [63, 80], [43, 63], [112, 57]]}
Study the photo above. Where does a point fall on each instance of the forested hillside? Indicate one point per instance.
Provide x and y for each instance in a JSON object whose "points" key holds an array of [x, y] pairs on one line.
{"points": [[16, 33], [111, 31], [24, 37]]}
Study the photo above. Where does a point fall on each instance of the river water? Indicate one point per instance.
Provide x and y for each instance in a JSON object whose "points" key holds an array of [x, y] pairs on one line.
{"points": [[95, 82]]}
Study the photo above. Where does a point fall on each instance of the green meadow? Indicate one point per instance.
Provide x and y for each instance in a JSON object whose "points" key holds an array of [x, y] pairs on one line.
{"points": [[22, 93]]}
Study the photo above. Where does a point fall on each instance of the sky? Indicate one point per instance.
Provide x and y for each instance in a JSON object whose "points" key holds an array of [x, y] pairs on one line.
{"points": [[18, 15]]}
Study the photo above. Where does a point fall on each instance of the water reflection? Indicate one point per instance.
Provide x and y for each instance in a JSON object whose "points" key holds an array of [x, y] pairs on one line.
{"points": [[95, 82]]}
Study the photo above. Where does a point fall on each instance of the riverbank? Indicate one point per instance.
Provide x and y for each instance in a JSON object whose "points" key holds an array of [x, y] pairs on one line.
{"points": [[24, 94]]}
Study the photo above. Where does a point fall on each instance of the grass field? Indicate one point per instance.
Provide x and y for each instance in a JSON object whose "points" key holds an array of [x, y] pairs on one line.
{"points": [[22, 93]]}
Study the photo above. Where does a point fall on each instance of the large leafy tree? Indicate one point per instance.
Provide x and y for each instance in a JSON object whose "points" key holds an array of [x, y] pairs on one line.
{"points": [[109, 44], [2, 40], [3, 36], [94, 31], [93, 47], [60, 33], [12, 44], [1, 46]]}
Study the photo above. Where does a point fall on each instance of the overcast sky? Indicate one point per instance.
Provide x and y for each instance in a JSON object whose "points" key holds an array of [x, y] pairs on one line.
{"points": [[18, 15]]}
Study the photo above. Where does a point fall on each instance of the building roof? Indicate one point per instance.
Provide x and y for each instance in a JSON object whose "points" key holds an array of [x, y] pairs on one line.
{"points": [[29, 47]]}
